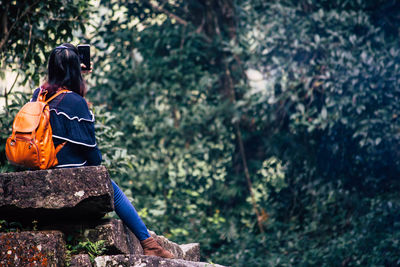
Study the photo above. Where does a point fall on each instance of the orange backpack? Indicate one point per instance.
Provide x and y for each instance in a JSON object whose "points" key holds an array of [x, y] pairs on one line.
{"points": [[31, 144]]}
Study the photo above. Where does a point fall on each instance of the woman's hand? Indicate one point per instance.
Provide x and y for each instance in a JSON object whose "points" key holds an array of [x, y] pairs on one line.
{"points": [[86, 71]]}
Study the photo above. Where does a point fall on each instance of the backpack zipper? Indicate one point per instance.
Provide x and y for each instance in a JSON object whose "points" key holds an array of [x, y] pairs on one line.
{"points": [[30, 145]]}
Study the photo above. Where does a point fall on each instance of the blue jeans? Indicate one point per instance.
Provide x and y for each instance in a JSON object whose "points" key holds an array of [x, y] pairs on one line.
{"points": [[128, 214]]}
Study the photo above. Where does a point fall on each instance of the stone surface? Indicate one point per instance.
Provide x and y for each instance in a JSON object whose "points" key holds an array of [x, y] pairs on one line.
{"points": [[45, 248], [134, 245], [71, 202], [112, 232], [191, 252], [168, 245], [119, 239], [68, 194], [148, 261], [80, 260]]}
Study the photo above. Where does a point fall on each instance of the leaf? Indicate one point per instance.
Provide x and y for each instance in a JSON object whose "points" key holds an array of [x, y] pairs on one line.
{"points": [[324, 113], [300, 107]]}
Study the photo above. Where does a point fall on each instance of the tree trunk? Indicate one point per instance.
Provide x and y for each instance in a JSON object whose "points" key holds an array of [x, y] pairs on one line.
{"points": [[218, 22]]}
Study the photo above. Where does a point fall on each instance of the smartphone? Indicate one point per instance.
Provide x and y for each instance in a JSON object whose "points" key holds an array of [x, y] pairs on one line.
{"points": [[84, 55]]}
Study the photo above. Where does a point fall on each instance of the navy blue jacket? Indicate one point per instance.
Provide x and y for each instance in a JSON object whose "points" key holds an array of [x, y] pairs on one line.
{"points": [[72, 121]]}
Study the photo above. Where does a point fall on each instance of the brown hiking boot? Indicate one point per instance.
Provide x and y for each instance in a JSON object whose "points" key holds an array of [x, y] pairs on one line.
{"points": [[152, 248]]}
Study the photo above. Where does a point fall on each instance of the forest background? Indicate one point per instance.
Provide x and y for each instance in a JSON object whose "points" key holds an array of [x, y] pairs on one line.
{"points": [[268, 131]]}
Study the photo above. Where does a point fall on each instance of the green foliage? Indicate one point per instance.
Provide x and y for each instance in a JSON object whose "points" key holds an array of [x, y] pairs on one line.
{"points": [[334, 79], [7, 115], [328, 110], [320, 132], [6, 226], [109, 138], [30, 29], [15, 226], [175, 134], [93, 249], [340, 228]]}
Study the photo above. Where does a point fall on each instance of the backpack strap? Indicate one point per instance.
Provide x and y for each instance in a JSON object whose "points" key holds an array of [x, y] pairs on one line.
{"points": [[55, 95], [42, 94], [60, 146]]}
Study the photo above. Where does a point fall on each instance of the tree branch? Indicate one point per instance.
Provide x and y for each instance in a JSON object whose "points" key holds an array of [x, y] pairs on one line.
{"points": [[29, 40], [232, 98], [6, 93], [4, 17], [230, 91], [65, 19], [178, 19], [169, 14], [8, 31], [247, 175], [4, 28]]}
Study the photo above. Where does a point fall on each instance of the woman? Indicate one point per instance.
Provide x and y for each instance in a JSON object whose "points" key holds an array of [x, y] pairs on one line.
{"points": [[73, 124]]}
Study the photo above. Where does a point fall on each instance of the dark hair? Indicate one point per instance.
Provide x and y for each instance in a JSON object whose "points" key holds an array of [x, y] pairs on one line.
{"points": [[64, 71]]}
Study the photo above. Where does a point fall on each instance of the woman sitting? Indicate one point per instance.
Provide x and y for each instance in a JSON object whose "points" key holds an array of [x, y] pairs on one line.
{"points": [[73, 124]]}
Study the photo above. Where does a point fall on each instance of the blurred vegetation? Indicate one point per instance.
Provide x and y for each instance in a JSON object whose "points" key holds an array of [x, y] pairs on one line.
{"points": [[29, 29], [299, 169]]}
